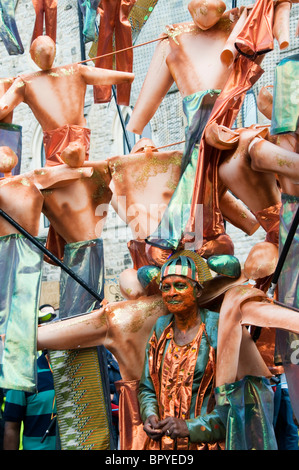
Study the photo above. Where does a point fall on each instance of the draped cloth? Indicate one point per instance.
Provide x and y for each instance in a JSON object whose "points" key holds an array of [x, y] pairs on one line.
{"points": [[8, 28], [285, 113], [21, 272], [197, 109], [114, 26], [243, 75], [247, 408], [81, 376], [89, 14], [288, 293], [45, 14], [56, 140]]}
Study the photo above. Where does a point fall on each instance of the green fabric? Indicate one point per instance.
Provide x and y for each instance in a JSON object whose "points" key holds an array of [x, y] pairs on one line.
{"points": [[285, 113], [81, 375], [246, 408], [21, 271], [207, 427], [197, 108]]}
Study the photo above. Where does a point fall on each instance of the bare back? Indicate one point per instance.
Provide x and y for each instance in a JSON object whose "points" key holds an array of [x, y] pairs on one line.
{"points": [[56, 96]]}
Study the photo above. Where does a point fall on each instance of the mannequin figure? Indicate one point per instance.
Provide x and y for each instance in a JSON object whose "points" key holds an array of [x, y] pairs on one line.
{"points": [[21, 264], [199, 61], [56, 97]]}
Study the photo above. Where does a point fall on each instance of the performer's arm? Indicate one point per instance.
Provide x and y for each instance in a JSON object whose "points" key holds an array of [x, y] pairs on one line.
{"points": [[148, 403], [98, 76], [155, 86], [207, 427], [12, 98]]}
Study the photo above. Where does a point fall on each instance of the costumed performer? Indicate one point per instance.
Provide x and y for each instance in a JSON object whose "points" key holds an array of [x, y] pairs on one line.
{"points": [[123, 328]]}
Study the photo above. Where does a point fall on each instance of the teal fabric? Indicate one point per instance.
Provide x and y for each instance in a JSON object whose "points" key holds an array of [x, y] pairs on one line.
{"points": [[246, 408], [197, 108], [21, 271], [86, 259], [207, 427], [285, 112]]}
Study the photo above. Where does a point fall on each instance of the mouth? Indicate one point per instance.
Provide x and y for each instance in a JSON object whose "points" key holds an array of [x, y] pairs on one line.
{"points": [[173, 302]]}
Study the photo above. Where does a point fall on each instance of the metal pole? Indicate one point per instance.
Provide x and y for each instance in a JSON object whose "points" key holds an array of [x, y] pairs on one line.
{"points": [[283, 254], [121, 120]]}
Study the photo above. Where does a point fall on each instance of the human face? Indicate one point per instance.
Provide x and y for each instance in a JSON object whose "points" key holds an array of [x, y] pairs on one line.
{"points": [[179, 294]]}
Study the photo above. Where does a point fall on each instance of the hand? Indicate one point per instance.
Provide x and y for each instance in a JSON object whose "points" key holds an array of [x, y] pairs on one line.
{"points": [[174, 427], [151, 428]]}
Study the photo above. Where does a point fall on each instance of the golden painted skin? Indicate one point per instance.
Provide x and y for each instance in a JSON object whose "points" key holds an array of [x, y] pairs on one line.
{"points": [[56, 95]]}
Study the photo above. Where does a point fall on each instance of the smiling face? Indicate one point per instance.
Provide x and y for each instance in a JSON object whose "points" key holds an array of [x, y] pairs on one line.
{"points": [[180, 294]]}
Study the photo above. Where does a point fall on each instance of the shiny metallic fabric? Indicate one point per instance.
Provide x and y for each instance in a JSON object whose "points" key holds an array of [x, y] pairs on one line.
{"points": [[285, 112], [197, 108], [20, 268], [246, 408]]}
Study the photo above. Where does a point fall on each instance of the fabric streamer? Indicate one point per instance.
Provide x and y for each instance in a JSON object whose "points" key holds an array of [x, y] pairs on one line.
{"points": [[21, 272], [8, 28], [45, 12]]}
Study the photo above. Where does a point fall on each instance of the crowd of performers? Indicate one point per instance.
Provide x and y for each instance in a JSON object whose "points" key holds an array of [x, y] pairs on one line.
{"points": [[198, 340]]}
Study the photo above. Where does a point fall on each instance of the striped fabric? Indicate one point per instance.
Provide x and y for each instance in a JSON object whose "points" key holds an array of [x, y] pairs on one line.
{"points": [[34, 409], [189, 264]]}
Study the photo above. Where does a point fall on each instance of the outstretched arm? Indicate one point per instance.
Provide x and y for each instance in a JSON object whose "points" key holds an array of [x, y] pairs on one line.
{"points": [[84, 331], [269, 157], [98, 76], [156, 84], [12, 98]]}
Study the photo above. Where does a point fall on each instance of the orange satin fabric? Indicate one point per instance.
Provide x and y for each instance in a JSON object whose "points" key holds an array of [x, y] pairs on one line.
{"points": [[132, 436], [114, 22], [269, 220], [47, 9], [256, 37], [55, 141], [207, 185]]}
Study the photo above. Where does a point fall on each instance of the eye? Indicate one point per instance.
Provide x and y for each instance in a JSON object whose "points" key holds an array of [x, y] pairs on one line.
{"points": [[165, 288]]}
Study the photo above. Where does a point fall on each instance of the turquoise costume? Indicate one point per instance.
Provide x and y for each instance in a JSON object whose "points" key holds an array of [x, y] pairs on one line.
{"points": [[205, 427], [285, 111], [197, 109], [21, 268]]}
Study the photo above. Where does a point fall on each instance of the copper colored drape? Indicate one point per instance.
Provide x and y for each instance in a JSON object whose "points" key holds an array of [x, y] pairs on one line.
{"points": [[244, 74], [114, 23], [45, 10]]}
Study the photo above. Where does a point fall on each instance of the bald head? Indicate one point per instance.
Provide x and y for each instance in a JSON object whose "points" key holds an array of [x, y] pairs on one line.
{"points": [[42, 51]]}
